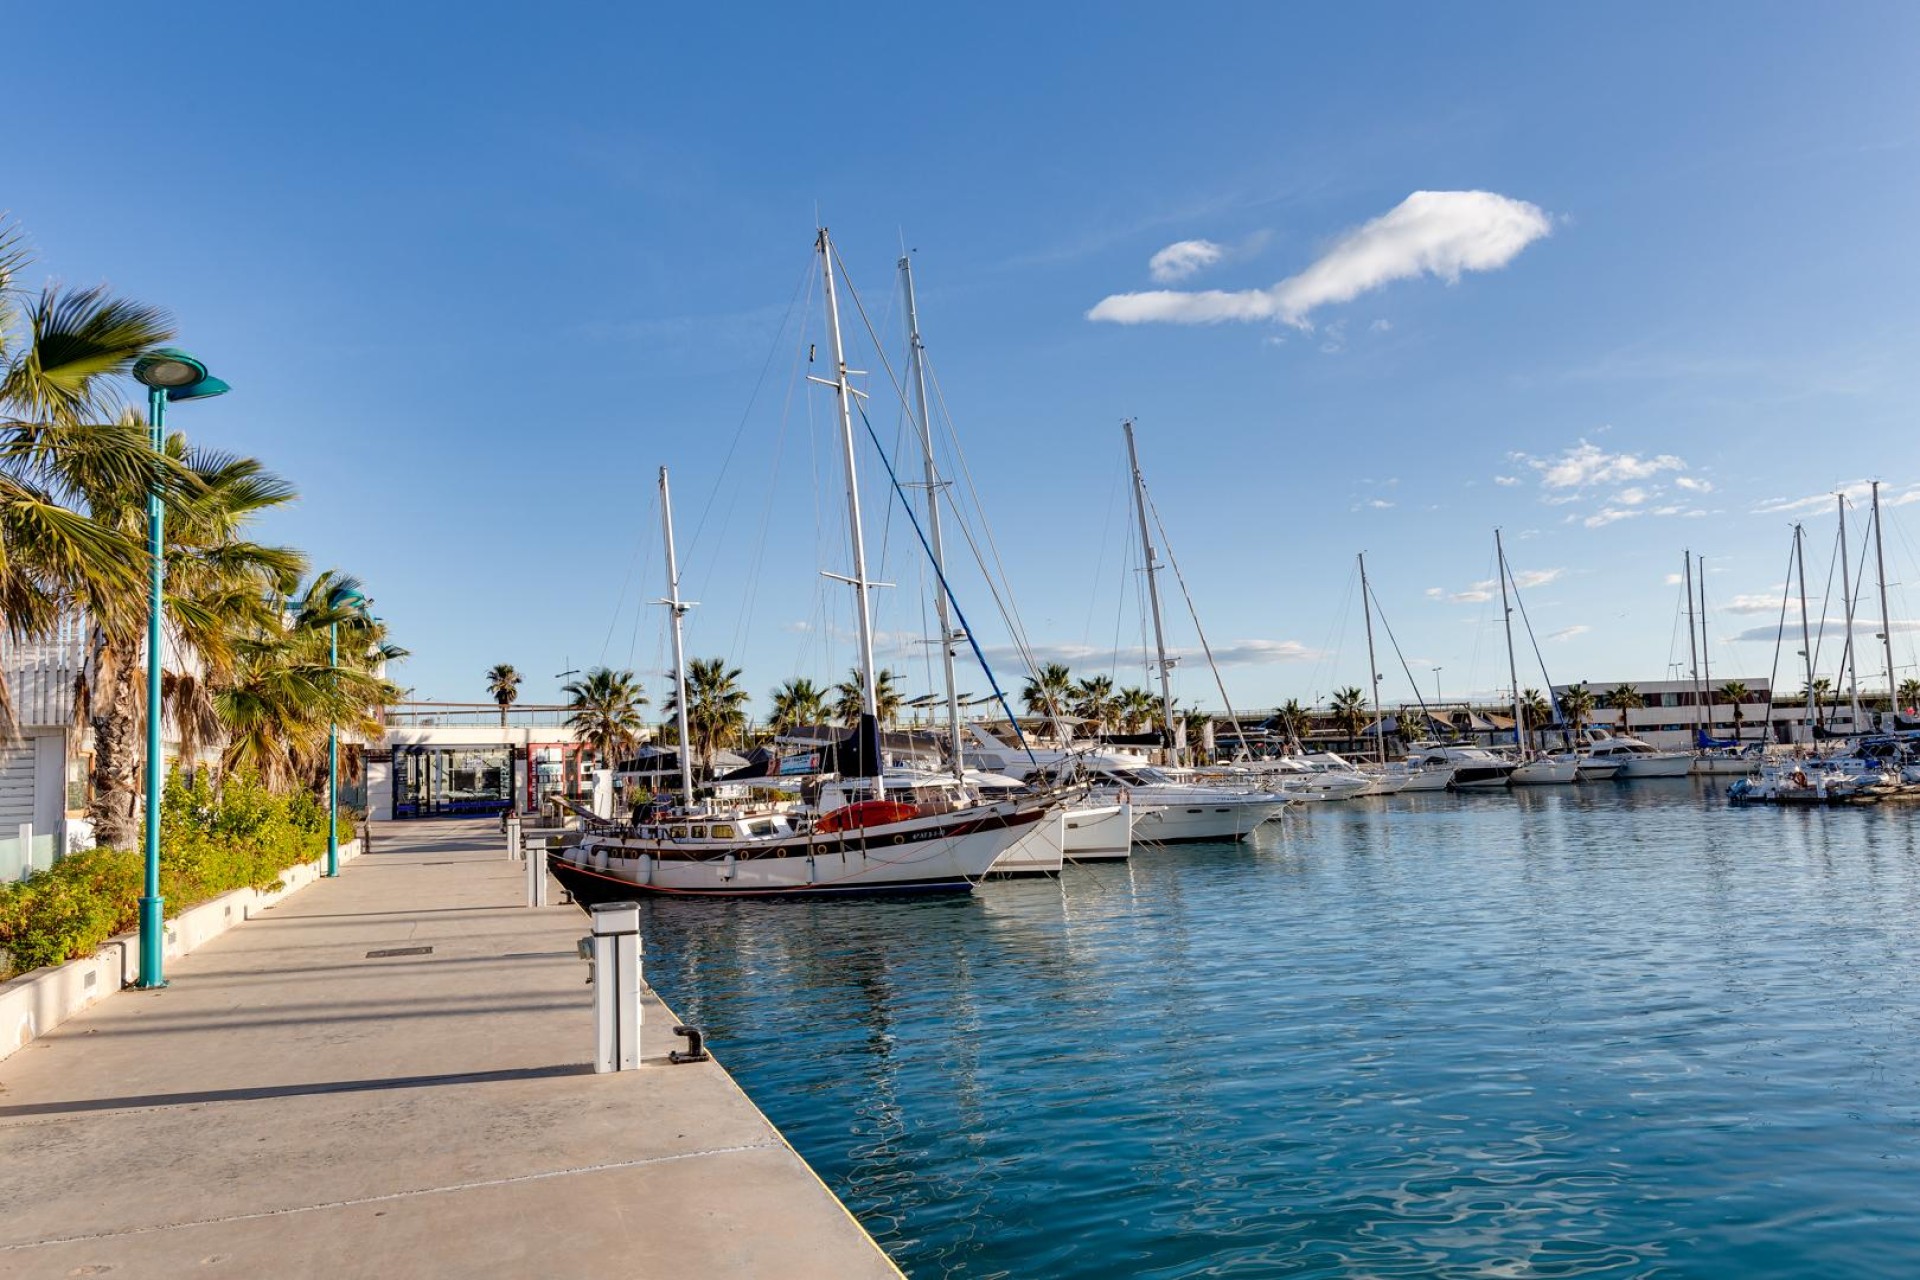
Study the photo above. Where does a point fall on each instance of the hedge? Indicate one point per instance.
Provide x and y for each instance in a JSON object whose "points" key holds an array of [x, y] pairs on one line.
{"points": [[212, 842]]}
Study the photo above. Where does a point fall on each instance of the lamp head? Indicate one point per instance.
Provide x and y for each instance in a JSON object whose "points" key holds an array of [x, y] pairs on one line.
{"points": [[180, 375], [346, 598], [168, 368]]}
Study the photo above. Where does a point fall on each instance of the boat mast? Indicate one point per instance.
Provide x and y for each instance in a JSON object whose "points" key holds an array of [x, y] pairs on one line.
{"points": [[1706, 656], [1886, 623], [1161, 660], [1513, 673], [862, 589], [1373, 666], [1846, 590], [678, 608], [1806, 635], [1693, 653], [948, 636]]}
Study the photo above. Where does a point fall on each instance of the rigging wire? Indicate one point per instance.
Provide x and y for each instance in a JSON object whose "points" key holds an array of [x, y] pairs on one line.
{"points": [[1780, 631], [1192, 612], [1553, 699], [959, 615]]}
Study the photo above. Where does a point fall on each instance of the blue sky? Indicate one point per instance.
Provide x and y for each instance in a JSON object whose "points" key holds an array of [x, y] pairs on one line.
{"points": [[476, 271]]}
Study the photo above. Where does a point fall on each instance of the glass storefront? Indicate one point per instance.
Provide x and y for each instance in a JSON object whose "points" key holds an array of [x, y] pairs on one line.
{"points": [[434, 781]]}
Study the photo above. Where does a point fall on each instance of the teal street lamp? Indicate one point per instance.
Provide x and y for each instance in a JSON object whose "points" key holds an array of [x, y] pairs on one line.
{"points": [[341, 599], [168, 375]]}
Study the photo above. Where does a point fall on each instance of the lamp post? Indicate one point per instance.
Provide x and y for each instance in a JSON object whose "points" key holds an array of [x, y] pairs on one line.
{"points": [[340, 598], [168, 375]]}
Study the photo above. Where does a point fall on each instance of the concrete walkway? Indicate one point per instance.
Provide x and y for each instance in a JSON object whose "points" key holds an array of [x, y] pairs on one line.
{"points": [[292, 1106]]}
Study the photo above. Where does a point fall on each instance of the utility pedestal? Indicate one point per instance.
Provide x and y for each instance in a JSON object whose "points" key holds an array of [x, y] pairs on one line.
{"points": [[614, 951], [513, 836]]}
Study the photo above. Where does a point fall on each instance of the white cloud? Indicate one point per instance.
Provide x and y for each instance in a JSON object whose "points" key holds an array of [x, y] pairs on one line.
{"points": [[1486, 589], [1256, 652], [1381, 326], [1857, 493], [1588, 464], [1774, 631], [1693, 484], [1439, 233], [1630, 497], [1183, 258], [1507, 481], [1754, 601], [1378, 504], [1608, 515], [1673, 579], [1567, 633]]}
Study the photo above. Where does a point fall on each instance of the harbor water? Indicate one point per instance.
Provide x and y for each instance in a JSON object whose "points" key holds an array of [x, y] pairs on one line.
{"points": [[1614, 1030]]}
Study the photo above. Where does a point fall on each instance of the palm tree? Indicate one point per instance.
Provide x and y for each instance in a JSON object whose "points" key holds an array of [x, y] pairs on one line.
{"points": [[1818, 692], [1349, 708], [850, 697], [61, 353], [1136, 707], [1093, 699], [1576, 702], [503, 686], [1734, 691], [1295, 720], [286, 691], [605, 710], [797, 702], [716, 706], [1624, 698], [1049, 691], [1538, 712], [1909, 693]]}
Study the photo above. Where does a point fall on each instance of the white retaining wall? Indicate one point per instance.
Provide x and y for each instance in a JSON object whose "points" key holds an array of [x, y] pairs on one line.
{"points": [[35, 1003]]}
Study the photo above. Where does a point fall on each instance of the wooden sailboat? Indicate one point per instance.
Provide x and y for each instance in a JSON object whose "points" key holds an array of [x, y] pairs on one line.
{"points": [[863, 838]]}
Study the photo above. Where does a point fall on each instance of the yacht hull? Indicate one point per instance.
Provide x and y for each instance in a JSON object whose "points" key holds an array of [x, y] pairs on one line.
{"points": [[1475, 777], [1040, 852], [1204, 820], [1098, 833], [922, 855], [1541, 773], [1656, 767]]}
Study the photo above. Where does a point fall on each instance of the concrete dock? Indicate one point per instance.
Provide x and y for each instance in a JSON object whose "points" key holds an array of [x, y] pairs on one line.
{"points": [[293, 1105]]}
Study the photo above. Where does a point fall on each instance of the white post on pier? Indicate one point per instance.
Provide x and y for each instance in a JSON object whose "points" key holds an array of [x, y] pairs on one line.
{"points": [[513, 837], [615, 954], [536, 876]]}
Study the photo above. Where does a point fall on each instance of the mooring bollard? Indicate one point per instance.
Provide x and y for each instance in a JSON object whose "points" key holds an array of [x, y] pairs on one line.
{"points": [[613, 955], [513, 836], [537, 876]]}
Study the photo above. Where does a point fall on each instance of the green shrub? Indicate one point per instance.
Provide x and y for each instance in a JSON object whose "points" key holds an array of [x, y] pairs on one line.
{"points": [[211, 842]]}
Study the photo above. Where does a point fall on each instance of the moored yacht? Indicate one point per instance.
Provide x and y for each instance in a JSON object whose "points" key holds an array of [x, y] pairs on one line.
{"points": [[1636, 758], [1474, 768]]}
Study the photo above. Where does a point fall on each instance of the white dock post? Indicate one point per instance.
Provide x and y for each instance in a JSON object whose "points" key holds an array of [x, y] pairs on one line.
{"points": [[536, 875], [616, 986], [514, 849]]}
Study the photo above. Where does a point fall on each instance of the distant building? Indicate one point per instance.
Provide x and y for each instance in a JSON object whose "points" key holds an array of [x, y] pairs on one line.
{"points": [[1673, 711]]}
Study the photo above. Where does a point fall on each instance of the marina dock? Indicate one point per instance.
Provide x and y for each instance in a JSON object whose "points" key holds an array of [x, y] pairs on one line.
{"points": [[387, 1074]]}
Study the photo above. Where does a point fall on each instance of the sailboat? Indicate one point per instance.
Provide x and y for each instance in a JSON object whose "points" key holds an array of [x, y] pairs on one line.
{"points": [[860, 839], [1533, 769], [1168, 806]]}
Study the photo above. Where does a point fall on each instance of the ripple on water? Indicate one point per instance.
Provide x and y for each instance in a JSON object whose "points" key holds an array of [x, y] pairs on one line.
{"points": [[1612, 1031]]}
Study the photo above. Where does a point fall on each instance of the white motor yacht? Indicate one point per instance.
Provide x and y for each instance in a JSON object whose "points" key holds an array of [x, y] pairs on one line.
{"points": [[1474, 768], [1545, 771], [1167, 809], [1636, 759]]}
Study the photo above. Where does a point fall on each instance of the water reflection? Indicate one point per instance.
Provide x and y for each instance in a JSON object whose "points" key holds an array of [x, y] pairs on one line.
{"points": [[1617, 1030]]}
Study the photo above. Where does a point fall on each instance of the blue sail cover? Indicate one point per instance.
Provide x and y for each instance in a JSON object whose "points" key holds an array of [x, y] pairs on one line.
{"points": [[1702, 741]]}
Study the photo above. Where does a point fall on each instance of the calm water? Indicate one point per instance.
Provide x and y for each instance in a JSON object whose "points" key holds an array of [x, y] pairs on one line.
{"points": [[1607, 1031]]}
